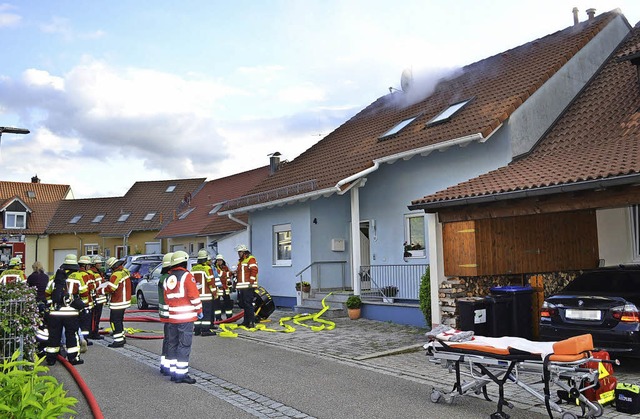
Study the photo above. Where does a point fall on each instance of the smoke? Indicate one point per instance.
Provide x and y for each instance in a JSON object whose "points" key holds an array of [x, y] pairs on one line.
{"points": [[419, 83]]}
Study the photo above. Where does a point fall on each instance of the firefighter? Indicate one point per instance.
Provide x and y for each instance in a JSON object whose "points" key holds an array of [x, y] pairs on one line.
{"points": [[100, 299], [182, 297], [64, 292], [163, 313], [85, 315], [226, 279], [208, 293], [119, 288], [246, 283], [13, 273]]}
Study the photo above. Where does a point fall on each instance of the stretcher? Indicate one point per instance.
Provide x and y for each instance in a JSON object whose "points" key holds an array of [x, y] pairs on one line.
{"points": [[536, 367]]}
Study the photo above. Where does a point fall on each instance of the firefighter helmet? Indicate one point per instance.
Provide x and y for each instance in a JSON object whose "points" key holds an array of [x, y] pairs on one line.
{"points": [[84, 260], [242, 248], [203, 255], [219, 257], [97, 259], [111, 261], [166, 260], [179, 257], [14, 262]]}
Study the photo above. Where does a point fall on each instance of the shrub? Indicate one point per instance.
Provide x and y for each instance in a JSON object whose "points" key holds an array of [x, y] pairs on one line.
{"points": [[26, 393], [354, 301], [19, 319], [425, 296]]}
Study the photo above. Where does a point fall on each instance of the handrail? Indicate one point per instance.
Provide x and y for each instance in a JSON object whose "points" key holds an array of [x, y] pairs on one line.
{"points": [[319, 262]]}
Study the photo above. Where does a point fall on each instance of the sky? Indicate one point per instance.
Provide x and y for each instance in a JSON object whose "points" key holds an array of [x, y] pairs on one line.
{"points": [[115, 92]]}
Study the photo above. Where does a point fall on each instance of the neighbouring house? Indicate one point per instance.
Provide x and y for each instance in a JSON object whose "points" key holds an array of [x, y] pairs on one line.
{"points": [[119, 226], [203, 227], [569, 204], [26, 210], [337, 217]]}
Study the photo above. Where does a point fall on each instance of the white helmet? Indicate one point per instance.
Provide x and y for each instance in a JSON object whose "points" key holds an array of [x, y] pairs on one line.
{"points": [[97, 259], [179, 257], [84, 260], [242, 248], [203, 254], [111, 261], [166, 260], [219, 257]]}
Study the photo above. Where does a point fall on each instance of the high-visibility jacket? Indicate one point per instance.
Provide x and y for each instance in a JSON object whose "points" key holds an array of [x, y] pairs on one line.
{"points": [[77, 278], [73, 292], [225, 277], [247, 273], [204, 281], [163, 308], [182, 296], [119, 286], [12, 275], [89, 281], [98, 279]]}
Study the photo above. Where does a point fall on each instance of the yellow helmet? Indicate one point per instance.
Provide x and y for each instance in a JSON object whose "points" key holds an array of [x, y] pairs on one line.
{"points": [[111, 261], [84, 260], [166, 260], [203, 255], [14, 262], [179, 257]]}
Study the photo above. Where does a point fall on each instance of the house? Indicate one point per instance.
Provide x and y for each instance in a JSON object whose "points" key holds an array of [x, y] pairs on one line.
{"points": [[337, 215], [26, 209], [203, 228], [119, 226], [571, 203]]}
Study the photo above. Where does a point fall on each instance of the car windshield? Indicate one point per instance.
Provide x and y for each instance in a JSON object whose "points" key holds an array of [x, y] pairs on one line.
{"points": [[141, 268], [605, 281]]}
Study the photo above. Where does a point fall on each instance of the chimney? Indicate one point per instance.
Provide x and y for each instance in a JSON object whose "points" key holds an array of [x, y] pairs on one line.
{"points": [[35, 179], [575, 16], [274, 162], [591, 13]]}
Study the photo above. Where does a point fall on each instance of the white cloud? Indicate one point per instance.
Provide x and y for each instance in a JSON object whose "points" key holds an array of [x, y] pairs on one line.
{"points": [[7, 18], [302, 94], [33, 77]]}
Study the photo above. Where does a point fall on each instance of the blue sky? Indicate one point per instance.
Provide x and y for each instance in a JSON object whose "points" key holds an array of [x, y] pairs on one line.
{"points": [[122, 91]]}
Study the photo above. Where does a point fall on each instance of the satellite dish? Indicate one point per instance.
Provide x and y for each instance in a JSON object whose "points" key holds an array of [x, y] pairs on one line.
{"points": [[406, 80]]}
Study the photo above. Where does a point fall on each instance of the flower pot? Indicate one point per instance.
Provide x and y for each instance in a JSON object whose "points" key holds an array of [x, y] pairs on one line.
{"points": [[306, 288], [354, 313]]}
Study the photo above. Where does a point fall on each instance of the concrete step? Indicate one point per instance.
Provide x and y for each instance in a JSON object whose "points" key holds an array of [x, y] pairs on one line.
{"points": [[335, 301]]}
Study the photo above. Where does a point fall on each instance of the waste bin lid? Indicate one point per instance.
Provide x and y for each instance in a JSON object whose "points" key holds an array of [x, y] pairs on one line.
{"points": [[512, 289]]}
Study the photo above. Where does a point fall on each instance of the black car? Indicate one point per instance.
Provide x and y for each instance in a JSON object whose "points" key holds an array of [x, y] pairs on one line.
{"points": [[603, 302], [140, 268]]}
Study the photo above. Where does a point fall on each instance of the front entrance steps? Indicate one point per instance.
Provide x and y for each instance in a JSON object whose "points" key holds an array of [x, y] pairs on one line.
{"points": [[335, 301]]}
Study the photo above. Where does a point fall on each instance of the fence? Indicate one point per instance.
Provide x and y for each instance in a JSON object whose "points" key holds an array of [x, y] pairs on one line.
{"points": [[10, 337], [398, 281]]}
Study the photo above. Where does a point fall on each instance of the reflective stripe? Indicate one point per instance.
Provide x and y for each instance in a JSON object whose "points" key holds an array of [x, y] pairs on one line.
{"points": [[120, 306], [179, 293]]}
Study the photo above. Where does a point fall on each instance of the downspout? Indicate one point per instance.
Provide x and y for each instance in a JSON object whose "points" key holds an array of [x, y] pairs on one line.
{"points": [[247, 225], [79, 238], [125, 240]]}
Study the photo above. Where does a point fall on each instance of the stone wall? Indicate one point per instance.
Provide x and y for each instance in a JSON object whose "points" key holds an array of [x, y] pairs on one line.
{"points": [[457, 287]]}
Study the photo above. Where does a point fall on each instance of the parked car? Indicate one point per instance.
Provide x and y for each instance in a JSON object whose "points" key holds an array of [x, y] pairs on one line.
{"points": [[603, 302], [147, 289], [138, 268]]}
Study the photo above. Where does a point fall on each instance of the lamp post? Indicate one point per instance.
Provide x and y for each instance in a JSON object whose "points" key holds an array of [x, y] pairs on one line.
{"points": [[12, 130]]}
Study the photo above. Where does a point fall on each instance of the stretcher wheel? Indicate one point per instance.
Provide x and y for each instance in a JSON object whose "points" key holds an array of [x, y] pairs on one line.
{"points": [[436, 396], [569, 415], [597, 413]]}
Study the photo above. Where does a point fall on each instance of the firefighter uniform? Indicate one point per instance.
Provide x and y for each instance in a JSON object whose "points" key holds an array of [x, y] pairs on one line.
{"points": [[163, 313], [100, 298], [64, 293], [203, 275], [119, 288], [226, 280], [13, 273], [182, 297], [246, 283], [89, 282]]}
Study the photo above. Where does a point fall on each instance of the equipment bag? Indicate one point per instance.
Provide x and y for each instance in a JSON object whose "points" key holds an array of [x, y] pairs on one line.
{"points": [[628, 398], [604, 391]]}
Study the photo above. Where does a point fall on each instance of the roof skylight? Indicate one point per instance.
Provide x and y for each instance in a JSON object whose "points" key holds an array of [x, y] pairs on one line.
{"points": [[397, 128], [75, 219], [98, 218], [215, 209], [170, 188], [123, 217], [447, 113], [184, 214], [149, 216], [31, 194]]}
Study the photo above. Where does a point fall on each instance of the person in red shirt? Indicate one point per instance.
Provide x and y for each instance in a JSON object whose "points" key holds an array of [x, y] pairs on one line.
{"points": [[182, 297]]}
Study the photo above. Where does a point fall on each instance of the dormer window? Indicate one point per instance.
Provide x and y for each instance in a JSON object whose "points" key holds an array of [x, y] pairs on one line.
{"points": [[149, 216], [15, 220], [396, 129], [123, 217], [447, 113], [170, 188], [75, 219]]}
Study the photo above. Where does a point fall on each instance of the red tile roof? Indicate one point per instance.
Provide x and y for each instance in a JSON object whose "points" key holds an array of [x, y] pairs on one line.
{"points": [[598, 137], [42, 198], [142, 198], [199, 222], [497, 85]]}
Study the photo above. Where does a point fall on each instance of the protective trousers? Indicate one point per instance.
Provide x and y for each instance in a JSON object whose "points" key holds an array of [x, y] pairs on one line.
{"points": [[227, 304], [85, 321], [116, 318], [96, 313], [165, 366], [217, 308], [204, 324], [245, 299], [70, 325], [179, 337]]}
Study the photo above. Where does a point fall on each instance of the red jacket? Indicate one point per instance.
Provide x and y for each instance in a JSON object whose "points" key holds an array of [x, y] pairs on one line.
{"points": [[119, 286], [247, 273], [182, 297]]}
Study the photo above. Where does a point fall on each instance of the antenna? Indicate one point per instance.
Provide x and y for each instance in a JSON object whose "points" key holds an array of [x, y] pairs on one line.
{"points": [[406, 80]]}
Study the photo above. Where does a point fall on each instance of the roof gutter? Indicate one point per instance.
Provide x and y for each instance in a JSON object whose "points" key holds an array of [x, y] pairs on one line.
{"points": [[247, 225], [405, 155], [527, 193]]}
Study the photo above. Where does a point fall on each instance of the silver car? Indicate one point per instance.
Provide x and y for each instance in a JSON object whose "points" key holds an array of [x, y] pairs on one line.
{"points": [[147, 288]]}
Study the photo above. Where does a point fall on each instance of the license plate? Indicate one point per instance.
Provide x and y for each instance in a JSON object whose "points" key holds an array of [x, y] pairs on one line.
{"points": [[583, 314]]}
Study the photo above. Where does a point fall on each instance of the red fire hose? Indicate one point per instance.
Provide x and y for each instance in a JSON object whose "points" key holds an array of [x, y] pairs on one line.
{"points": [[86, 391]]}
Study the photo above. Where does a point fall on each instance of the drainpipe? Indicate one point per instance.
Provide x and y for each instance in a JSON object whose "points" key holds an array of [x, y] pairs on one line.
{"points": [[355, 239], [247, 225]]}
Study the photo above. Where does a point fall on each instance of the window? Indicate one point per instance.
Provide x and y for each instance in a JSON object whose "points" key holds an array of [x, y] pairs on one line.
{"points": [[123, 217], [635, 231], [91, 249], [447, 113], [170, 188], [184, 214], [75, 219], [415, 236], [397, 128], [97, 218], [215, 209], [31, 194], [149, 216], [15, 219], [282, 245]]}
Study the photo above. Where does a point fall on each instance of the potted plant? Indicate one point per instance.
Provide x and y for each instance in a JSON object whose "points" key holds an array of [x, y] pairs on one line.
{"points": [[413, 250], [303, 286], [354, 303]]}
